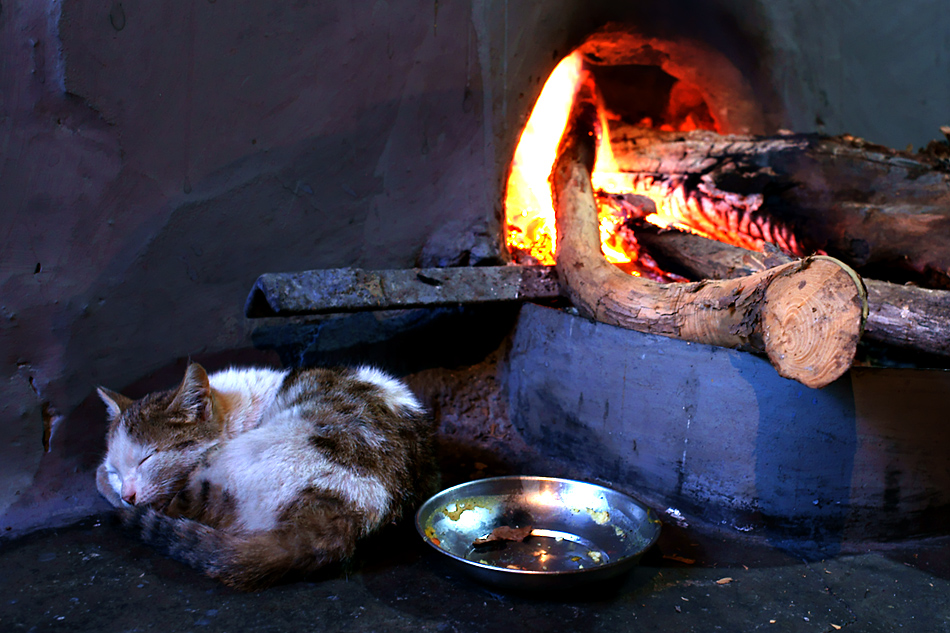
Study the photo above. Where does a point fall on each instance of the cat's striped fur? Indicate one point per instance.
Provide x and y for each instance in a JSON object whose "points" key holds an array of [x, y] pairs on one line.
{"points": [[256, 475]]}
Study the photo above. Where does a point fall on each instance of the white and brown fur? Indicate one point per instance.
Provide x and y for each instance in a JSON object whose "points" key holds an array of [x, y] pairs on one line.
{"points": [[258, 475]]}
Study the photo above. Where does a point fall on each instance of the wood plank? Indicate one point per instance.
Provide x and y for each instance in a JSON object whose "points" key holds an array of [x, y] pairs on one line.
{"points": [[354, 289]]}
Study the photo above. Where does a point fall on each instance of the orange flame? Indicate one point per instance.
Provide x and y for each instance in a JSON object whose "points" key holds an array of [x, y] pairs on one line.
{"points": [[529, 207], [528, 204]]}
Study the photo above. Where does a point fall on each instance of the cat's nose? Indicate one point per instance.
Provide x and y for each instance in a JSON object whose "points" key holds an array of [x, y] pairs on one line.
{"points": [[128, 491]]}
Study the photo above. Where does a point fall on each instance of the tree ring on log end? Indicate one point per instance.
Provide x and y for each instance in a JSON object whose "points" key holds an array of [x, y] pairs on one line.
{"points": [[812, 319]]}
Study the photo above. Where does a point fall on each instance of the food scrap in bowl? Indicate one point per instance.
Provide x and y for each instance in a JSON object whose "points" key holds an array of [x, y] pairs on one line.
{"points": [[504, 533]]}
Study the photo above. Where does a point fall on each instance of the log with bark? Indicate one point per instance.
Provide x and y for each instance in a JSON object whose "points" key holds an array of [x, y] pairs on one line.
{"points": [[879, 210], [899, 315], [807, 316]]}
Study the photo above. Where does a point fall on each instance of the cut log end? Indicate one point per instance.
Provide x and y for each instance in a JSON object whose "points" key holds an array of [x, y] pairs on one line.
{"points": [[812, 319]]}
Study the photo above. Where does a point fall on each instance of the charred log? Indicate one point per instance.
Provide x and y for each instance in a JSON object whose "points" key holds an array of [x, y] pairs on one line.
{"points": [[696, 257], [874, 208]]}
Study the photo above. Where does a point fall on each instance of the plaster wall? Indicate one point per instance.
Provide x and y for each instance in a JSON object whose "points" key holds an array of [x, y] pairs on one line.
{"points": [[155, 157]]}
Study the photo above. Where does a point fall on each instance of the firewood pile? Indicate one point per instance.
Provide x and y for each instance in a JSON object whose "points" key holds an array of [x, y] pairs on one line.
{"points": [[869, 207], [827, 241]]}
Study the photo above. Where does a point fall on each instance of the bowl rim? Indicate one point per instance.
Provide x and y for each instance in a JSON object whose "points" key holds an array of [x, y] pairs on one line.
{"points": [[626, 560]]}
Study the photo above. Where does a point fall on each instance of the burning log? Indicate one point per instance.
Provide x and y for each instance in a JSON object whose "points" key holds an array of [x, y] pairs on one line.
{"points": [[807, 316], [898, 315], [875, 208], [695, 257]]}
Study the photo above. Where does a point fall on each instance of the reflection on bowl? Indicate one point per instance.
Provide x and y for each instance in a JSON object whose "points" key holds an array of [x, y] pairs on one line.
{"points": [[537, 532]]}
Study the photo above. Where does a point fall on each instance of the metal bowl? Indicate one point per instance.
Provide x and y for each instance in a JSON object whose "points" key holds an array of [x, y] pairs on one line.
{"points": [[579, 532]]}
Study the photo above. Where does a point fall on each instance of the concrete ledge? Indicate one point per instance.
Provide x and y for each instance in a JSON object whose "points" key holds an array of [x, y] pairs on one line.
{"points": [[715, 436]]}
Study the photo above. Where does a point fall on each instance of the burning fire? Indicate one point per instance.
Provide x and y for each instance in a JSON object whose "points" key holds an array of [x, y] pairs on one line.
{"points": [[531, 234], [528, 204]]}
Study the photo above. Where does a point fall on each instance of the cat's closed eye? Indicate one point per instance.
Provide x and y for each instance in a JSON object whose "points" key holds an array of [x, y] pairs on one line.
{"points": [[115, 480]]}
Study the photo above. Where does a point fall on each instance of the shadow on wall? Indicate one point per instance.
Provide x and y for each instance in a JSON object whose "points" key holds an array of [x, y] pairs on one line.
{"points": [[399, 341]]}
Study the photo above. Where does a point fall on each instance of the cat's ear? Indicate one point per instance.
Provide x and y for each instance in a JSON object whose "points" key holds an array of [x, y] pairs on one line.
{"points": [[194, 394], [115, 403]]}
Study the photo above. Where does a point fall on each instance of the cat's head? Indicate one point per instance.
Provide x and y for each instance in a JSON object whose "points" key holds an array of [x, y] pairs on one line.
{"points": [[153, 444]]}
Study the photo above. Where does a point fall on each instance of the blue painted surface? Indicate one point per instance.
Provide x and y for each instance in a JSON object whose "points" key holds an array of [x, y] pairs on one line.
{"points": [[719, 437], [805, 447]]}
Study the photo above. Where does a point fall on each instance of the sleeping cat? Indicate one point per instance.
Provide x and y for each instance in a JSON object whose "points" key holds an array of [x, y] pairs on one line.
{"points": [[257, 475]]}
